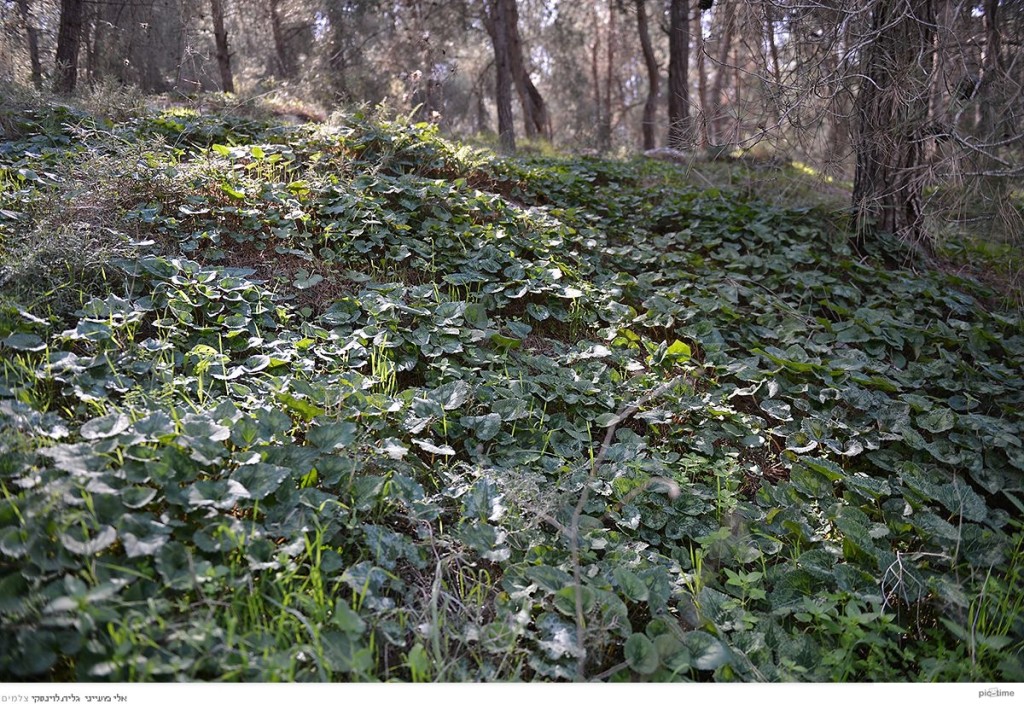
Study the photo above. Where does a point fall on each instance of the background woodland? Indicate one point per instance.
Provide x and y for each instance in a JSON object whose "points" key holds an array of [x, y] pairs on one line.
{"points": [[918, 102]]}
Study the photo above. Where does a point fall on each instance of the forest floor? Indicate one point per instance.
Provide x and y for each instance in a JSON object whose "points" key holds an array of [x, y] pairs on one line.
{"points": [[350, 402]]}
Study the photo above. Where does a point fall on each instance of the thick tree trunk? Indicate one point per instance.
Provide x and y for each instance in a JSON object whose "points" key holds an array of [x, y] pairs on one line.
{"points": [[33, 44], [653, 76], [679, 132], [69, 36], [892, 111], [220, 35], [496, 20]]}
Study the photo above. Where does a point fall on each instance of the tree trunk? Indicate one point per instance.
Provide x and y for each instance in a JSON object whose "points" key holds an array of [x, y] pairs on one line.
{"points": [[726, 31], [774, 90], [33, 44], [595, 79], [220, 35], [496, 22], [773, 47], [284, 65], [892, 109], [69, 35], [609, 80], [336, 60], [535, 111], [679, 132], [653, 76], [602, 101], [702, 80], [989, 81]]}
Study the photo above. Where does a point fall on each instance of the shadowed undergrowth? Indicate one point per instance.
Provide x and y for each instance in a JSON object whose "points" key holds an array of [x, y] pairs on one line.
{"points": [[355, 403]]}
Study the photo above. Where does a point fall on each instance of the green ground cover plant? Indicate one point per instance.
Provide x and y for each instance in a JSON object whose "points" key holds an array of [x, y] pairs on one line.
{"points": [[354, 403]]}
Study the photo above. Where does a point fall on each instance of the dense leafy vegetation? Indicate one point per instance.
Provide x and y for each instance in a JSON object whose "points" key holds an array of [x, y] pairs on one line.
{"points": [[360, 404]]}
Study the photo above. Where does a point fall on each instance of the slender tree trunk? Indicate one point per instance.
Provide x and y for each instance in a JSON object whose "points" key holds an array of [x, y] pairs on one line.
{"points": [[727, 27], [702, 81], [892, 109], [939, 92], [284, 65], [653, 76], [773, 47], [679, 132], [69, 36], [495, 20], [603, 99], [33, 44], [840, 107], [737, 96], [483, 121], [609, 77], [993, 38], [991, 70], [776, 67], [220, 35], [93, 44], [595, 79]]}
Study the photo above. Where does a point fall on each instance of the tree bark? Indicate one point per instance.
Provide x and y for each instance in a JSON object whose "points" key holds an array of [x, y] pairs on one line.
{"points": [[892, 110], [220, 35], [69, 36], [727, 27], [33, 44], [336, 60], [991, 73], [679, 132], [496, 21], [595, 78], [535, 110], [284, 65], [774, 90], [702, 79], [609, 80], [653, 76]]}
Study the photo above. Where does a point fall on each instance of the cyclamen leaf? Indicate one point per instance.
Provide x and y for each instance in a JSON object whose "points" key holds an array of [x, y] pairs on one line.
{"points": [[260, 480], [633, 588], [779, 410], [475, 315], [346, 619], [23, 341], [565, 599], [443, 450], [488, 426], [708, 652], [937, 421], [641, 654], [332, 436], [679, 351], [105, 426], [451, 395], [88, 546]]}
